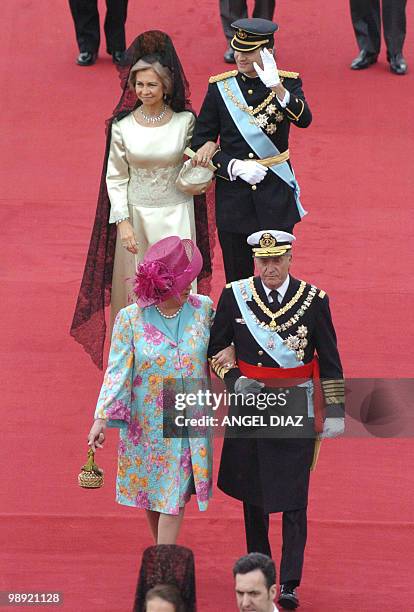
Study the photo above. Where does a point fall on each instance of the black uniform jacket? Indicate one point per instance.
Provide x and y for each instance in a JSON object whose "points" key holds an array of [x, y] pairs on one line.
{"points": [[240, 207], [274, 473]]}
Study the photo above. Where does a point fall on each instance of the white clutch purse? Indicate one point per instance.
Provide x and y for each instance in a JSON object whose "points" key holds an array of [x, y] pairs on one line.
{"points": [[194, 180]]}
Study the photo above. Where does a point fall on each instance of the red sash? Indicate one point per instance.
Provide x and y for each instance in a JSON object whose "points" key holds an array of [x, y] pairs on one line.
{"points": [[280, 377]]}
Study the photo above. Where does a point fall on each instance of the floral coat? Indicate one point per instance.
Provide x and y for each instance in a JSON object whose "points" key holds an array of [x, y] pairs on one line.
{"points": [[141, 358]]}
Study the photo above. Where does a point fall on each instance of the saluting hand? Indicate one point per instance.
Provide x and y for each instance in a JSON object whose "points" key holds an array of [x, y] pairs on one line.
{"points": [[269, 75]]}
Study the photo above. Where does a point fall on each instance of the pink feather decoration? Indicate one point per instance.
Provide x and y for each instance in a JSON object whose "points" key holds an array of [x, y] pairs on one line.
{"points": [[153, 281]]}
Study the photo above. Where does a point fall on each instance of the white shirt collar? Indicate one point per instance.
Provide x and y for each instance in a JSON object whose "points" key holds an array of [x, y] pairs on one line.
{"points": [[281, 290]]}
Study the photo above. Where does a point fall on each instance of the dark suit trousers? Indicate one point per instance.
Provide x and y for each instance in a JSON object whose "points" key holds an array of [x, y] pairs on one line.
{"points": [[231, 10], [294, 533], [366, 19], [86, 18]]}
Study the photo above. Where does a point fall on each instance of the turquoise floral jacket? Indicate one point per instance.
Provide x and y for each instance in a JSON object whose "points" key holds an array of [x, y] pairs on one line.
{"points": [[142, 358]]}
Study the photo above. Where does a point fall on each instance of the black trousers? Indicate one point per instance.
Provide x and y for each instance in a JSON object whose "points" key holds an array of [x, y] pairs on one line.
{"points": [[231, 10], [238, 255], [86, 18], [294, 534], [366, 19]]}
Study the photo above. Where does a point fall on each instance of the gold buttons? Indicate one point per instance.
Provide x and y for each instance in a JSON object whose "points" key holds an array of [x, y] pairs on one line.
{"points": [[218, 165], [259, 365], [251, 155], [260, 352], [250, 91], [254, 187]]}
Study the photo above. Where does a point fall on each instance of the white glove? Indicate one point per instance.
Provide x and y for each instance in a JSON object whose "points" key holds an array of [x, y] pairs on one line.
{"points": [[333, 427], [269, 75], [250, 171], [248, 386]]}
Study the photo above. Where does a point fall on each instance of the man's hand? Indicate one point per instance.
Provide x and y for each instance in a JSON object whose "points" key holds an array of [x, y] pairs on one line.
{"points": [[204, 154], [250, 171], [333, 427], [248, 386], [226, 357], [269, 75]]}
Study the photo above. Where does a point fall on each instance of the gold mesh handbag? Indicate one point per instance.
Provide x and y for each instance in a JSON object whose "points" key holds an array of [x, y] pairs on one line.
{"points": [[91, 476]]}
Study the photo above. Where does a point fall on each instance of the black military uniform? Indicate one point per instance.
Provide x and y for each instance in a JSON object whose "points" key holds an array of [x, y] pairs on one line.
{"points": [[272, 475], [242, 209], [86, 18]]}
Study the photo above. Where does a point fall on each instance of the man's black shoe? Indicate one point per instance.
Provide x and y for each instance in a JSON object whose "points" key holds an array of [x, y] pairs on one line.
{"points": [[288, 599], [364, 60], [398, 65], [118, 57], [229, 56], [86, 58]]}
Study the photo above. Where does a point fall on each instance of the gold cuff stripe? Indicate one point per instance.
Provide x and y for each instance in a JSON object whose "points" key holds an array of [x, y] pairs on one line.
{"points": [[296, 117], [275, 160], [334, 399]]}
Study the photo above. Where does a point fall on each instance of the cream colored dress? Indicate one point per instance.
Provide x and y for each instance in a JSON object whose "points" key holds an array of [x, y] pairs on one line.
{"points": [[143, 165]]}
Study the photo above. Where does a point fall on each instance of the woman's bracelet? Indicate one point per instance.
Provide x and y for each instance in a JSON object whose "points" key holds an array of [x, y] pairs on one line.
{"points": [[120, 220]]}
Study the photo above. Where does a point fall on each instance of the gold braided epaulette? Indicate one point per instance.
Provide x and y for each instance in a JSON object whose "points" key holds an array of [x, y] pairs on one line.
{"points": [[288, 75], [228, 285], [223, 75]]}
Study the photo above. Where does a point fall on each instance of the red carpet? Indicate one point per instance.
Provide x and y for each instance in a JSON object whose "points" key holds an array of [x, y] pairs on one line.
{"points": [[355, 168]]}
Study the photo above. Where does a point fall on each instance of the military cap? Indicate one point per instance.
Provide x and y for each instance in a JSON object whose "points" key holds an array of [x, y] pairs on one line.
{"points": [[252, 34], [270, 243]]}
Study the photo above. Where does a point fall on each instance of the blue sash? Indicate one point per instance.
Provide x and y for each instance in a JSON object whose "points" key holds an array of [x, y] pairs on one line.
{"points": [[284, 356], [257, 139]]}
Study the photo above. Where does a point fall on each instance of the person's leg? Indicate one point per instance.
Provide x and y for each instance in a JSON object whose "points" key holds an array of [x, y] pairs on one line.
{"points": [[237, 256], [153, 519], [394, 24], [256, 525], [231, 10], [366, 20], [169, 527], [86, 19], [264, 9], [294, 530], [114, 26]]}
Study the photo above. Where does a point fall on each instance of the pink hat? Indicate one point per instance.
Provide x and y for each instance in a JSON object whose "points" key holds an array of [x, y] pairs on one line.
{"points": [[168, 267]]}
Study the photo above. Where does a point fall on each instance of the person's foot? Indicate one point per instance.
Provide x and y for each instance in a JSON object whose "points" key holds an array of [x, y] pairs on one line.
{"points": [[364, 60], [229, 56], [398, 65], [86, 58], [118, 57], [288, 600]]}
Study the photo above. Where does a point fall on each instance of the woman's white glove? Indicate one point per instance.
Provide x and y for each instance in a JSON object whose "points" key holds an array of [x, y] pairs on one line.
{"points": [[250, 171], [333, 427], [269, 75]]}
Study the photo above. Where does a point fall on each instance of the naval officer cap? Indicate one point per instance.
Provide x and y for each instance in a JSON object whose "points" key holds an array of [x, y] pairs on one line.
{"points": [[270, 243], [252, 34]]}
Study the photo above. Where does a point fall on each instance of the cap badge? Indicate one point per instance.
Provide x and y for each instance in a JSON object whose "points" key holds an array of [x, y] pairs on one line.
{"points": [[242, 34], [267, 240]]}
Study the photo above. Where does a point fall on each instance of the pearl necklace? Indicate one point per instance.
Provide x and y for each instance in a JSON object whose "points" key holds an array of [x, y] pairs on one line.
{"points": [[153, 118], [169, 316]]}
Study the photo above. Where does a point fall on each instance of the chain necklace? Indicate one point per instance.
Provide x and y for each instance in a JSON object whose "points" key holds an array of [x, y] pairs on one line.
{"points": [[153, 118], [169, 316]]}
